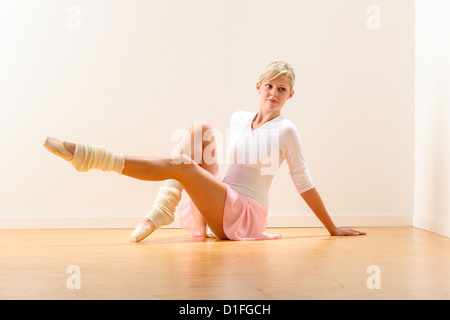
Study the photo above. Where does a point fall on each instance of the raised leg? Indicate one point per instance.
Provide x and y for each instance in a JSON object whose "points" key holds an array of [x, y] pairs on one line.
{"points": [[207, 192]]}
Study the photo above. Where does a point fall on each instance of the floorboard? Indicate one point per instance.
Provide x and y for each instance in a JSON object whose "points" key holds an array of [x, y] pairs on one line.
{"points": [[306, 263]]}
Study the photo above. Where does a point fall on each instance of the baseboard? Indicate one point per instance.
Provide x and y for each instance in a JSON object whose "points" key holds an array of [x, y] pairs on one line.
{"points": [[432, 224], [286, 220], [72, 222]]}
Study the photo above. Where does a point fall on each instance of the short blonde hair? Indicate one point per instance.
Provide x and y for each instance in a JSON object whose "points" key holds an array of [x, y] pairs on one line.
{"points": [[276, 69]]}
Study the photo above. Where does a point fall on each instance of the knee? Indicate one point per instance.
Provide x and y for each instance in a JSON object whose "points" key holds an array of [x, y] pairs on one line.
{"points": [[202, 137], [203, 130], [206, 126], [200, 127]]}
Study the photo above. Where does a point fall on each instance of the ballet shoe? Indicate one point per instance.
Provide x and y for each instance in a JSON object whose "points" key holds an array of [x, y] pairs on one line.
{"points": [[142, 231], [209, 233], [56, 147]]}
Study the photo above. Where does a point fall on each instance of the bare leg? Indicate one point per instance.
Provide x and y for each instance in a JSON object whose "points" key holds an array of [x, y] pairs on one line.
{"points": [[199, 144], [207, 192], [200, 138]]}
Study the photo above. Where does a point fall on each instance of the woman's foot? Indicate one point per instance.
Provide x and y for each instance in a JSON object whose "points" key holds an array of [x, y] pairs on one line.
{"points": [[62, 149], [143, 230], [85, 157]]}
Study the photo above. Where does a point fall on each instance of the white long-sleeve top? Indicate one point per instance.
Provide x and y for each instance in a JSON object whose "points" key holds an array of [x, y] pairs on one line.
{"points": [[254, 156]]}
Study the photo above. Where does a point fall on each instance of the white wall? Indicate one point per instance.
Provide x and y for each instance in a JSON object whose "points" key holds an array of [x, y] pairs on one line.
{"points": [[432, 116], [126, 74]]}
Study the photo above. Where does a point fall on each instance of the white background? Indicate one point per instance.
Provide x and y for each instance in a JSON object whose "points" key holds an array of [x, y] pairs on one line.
{"points": [[135, 71]]}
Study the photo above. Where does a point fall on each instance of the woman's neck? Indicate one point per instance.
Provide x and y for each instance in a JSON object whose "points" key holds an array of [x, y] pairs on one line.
{"points": [[262, 117]]}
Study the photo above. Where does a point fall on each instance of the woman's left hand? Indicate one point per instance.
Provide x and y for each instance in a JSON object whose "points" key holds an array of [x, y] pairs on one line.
{"points": [[346, 232]]}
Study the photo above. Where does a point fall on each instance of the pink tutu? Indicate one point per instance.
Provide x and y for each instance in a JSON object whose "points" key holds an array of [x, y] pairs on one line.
{"points": [[243, 217]]}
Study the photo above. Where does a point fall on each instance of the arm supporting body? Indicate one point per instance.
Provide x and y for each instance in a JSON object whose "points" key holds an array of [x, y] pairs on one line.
{"points": [[314, 201]]}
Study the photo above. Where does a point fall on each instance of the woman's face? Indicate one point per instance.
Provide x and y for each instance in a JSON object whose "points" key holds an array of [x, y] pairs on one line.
{"points": [[275, 93]]}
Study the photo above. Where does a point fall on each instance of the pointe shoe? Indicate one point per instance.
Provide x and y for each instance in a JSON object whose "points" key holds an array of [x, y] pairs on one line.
{"points": [[142, 231], [56, 147], [209, 233]]}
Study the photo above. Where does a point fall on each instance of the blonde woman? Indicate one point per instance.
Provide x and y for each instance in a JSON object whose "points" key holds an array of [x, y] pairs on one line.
{"points": [[236, 207]]}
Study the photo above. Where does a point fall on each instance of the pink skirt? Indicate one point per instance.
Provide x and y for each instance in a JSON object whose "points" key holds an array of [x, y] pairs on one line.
{"points": [[243, 217]]}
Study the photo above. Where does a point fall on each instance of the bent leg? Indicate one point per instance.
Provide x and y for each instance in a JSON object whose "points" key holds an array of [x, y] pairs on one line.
{"points": [[200, 145], [207, 193]]}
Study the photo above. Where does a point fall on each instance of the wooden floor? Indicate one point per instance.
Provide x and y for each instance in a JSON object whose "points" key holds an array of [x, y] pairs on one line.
{"points": [[305, 264]]}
